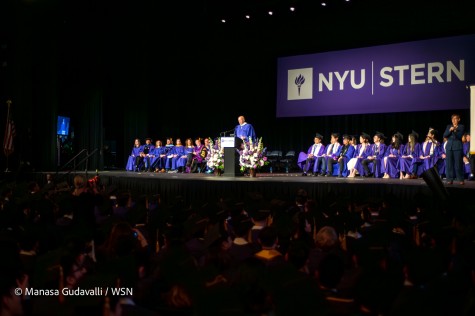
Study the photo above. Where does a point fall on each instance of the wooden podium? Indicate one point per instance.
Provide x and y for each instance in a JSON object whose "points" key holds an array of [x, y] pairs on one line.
{"points": [[231, 147]]}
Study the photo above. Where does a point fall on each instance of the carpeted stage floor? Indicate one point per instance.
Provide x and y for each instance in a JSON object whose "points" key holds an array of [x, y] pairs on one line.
{"points": [[208, 187]]}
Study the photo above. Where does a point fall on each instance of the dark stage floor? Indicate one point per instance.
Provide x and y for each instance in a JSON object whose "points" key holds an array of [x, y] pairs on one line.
{"points": [[206, 187]]}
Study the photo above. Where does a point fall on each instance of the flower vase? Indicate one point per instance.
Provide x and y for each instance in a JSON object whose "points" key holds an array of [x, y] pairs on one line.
{"points": [[217, 172], [252, 172]]}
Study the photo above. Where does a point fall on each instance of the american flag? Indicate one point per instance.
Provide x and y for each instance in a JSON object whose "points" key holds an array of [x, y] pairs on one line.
{"points": [[10, 133]]}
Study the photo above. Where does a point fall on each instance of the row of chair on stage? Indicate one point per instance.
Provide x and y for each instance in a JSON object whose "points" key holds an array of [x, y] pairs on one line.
{"points": [[378, 160]]}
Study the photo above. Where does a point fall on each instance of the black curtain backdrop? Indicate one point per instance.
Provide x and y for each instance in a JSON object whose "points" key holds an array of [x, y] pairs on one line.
{"points": [[152, 69]]}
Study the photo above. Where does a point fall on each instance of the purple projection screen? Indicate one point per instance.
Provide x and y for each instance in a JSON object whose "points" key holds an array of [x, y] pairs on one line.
{"points": [[425, 75]]}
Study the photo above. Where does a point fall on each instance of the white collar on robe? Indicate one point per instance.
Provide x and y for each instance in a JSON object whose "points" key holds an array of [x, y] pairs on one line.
{"points": [[243, 124]]}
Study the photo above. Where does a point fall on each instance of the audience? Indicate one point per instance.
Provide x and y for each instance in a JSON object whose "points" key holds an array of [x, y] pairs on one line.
{"points": [[341, 256]]}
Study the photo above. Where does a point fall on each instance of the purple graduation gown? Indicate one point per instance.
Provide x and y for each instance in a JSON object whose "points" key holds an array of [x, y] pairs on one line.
{"points": [[157, 161], [131, 160], [390, 164], [364, 155], [431, 161], [408, 164], [245, 131], [302, 159]]}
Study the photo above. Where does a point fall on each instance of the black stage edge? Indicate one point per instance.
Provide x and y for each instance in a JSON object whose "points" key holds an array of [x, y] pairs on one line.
{"points": [[208, 187]]}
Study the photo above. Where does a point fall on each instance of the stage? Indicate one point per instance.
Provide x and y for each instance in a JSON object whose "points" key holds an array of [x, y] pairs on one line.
{"points": [[208, 187]]}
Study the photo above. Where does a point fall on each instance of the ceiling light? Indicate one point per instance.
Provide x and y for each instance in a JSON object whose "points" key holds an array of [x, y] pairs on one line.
{"points": [[223, 21], [270, 12], [324, 4], [292, 9], [248, 17]]}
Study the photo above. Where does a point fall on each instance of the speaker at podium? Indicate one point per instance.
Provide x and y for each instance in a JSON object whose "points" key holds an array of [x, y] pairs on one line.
{"points": [[231, 146]]}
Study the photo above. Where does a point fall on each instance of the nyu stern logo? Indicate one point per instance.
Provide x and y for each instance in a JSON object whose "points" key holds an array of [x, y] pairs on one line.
{"points": [[300, 84]]}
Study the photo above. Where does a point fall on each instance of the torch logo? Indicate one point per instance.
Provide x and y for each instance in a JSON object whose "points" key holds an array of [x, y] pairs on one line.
{"points": [[300, 83]]}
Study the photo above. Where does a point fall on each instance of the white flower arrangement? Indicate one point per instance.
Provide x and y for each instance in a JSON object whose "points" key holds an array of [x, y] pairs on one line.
{"points": [[215, 159], [253, 156]]}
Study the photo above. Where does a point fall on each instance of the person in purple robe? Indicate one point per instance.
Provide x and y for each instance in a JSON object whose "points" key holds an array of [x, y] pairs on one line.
{"points": [[441, 158], [184, 162], [145, 154], [159, 156], [375, 159], [309, 160], [345, 154], [176, 157], [244, 130], [169, 147], [429, 151], [409, 161], [466, 156], [200, 152], [390, 166], [363, 150], [135, 161], [332, 151]]}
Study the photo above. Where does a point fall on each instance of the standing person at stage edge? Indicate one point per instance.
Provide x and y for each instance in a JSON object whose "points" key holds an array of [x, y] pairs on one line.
{"points": [[454, 150]]}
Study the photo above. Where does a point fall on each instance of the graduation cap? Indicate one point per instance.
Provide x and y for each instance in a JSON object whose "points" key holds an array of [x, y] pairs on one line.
{"points": [[380, 135], [319, 136], [346, 136], [336, 135], [399, 136], [414, 133], [365, 136]]}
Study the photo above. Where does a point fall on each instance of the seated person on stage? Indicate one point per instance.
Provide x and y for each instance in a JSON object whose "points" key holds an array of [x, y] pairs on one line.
{"points": [[169, 146], [429, 151], [345, 154], [468, 169], [390, 165], [185, 161], [145, 154], [378, 149], [135, 160], [309, 159], [363, 150], [200, 152], [245, 131], [332, 152], [174, 164], [441, 158], [409, 161], [159, 156]]}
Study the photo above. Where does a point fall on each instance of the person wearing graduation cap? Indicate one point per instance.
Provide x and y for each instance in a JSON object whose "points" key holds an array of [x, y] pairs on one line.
{"points": [[429, 151], [309, 160], [332, 151], [409, 161], [346, 153], [394, 151], [363, 150], [375, 158]]}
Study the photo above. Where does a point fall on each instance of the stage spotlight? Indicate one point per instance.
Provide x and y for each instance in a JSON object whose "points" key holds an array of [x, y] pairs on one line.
{"points": [[248, 17], [223, 21], [324, 4], [270, 12], [292, 9]]}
